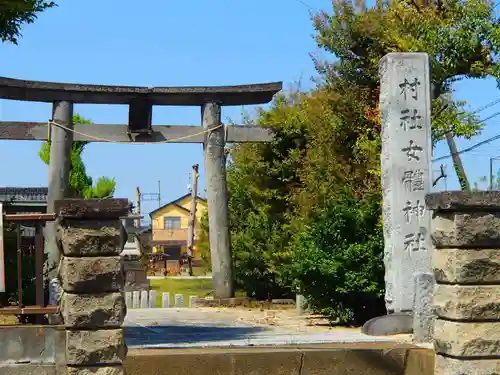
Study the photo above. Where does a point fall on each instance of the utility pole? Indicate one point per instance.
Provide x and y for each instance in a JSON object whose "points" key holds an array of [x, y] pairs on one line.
{"points": [[457, 161], [137, 221], [159, 194], [192, 217], [138, 206]]}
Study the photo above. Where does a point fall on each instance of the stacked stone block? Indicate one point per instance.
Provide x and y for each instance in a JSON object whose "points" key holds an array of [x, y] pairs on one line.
{"points": [[465, 231], [92, 304]]}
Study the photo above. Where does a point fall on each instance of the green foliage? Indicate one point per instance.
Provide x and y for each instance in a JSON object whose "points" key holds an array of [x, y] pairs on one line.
{"points": [[453, 118], [258, 256], [337, 260], [260, 178], [80, 183], [274, 188], [203, 243], [461, 37], [304, 208], [15, 13], [104, 188]]}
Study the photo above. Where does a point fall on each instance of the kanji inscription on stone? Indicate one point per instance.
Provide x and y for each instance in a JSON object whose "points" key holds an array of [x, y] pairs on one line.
{"points": [[406, 150], [412, 151], [413, 210], [410, 88], [416, 241], [413, 180], [410, 119]]}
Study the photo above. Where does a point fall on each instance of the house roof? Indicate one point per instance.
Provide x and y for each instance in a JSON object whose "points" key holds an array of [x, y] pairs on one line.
{"points": [[24, 194], [175, 203]]}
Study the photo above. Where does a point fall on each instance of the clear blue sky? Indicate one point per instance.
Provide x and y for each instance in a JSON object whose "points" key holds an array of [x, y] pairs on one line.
{"points": [[171, 43]]}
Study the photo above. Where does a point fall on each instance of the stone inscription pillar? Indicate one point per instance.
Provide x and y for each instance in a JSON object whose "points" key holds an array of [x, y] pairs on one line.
{"points": [[405, 163], [466, 262], [92, 304]]}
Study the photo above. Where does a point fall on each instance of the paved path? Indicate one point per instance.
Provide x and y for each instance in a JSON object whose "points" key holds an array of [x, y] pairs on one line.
{"points": [[181, 328]]}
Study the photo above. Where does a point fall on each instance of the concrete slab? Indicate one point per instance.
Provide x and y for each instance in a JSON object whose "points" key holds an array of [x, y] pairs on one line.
{"points": [[31, 344], [360, 359], [191, 328]]}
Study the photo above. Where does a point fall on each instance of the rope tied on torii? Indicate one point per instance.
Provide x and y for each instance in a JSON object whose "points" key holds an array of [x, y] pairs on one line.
{"points": [[51, 123], [212, 134]]}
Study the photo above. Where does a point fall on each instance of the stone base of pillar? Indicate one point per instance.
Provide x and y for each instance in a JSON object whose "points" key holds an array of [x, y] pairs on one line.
{"points": [[452, 366], [92, 304], [466, 236]]}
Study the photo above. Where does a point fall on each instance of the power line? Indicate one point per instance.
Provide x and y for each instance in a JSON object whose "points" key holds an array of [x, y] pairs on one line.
{"points": [[486, 106], [305, 4], [490, 117], [479, 144]]}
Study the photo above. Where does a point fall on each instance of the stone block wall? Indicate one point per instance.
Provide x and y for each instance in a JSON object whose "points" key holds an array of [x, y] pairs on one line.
{"points": [[92, 304], [465, 232]]}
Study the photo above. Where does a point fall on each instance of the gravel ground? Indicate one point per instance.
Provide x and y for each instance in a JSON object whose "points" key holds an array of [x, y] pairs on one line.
{"points": [[222, 327]]}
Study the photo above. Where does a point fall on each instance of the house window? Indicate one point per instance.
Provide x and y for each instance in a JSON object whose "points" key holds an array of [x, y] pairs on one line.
{"points": [[171, 222]]}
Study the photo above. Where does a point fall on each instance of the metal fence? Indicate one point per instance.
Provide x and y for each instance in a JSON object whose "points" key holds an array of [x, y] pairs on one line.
{"points": [[36, 250]]}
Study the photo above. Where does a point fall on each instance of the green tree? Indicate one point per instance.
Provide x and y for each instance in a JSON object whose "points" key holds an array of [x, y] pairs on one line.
{"points": [[328, 142], [203, 243], [460, 36], [337, 260], [15, 13], [260, 180], [80, 183]]}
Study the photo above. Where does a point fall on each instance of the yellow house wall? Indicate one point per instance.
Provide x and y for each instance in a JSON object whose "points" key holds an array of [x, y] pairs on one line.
{"points": [[157, 219], [201, 208], [172, 210]]}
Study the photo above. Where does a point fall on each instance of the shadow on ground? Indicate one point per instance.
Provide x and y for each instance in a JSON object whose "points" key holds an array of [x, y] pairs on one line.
{"points": [[177, 334]]}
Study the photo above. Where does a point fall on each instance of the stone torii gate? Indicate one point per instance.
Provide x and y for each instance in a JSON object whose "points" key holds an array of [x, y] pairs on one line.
{"points": [[213, 135]]}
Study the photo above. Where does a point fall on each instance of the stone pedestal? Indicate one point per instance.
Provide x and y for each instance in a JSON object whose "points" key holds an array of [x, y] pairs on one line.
{"points": [[135, 276], [92, 304], [135, 272], [465, 231]]}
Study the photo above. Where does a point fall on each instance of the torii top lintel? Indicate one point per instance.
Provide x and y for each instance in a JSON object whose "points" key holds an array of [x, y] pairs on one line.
{"points": [[39, 91]]}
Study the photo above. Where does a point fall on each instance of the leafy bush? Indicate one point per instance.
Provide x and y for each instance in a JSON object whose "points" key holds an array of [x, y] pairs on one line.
{"points": [[258, 256], [203, 243], [104, 188], [337, 260], [81, 184]]}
